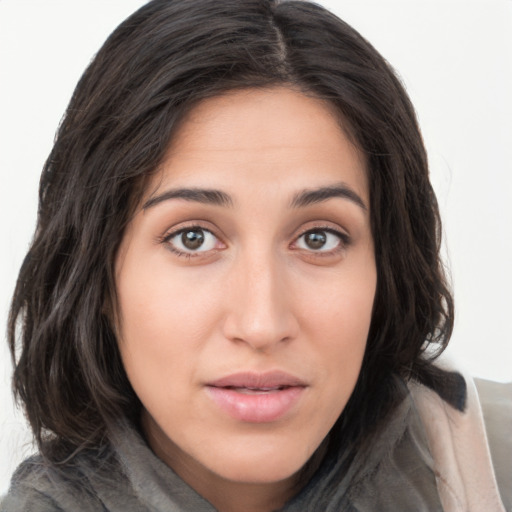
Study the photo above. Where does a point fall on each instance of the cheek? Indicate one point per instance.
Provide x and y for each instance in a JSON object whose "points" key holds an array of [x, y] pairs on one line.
{"points": [[337, 317], [163, 324], [339, 307], [160, 301]]}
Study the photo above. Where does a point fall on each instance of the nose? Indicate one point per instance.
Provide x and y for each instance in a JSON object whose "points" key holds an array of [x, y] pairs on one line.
{"points": [[260, 305]]}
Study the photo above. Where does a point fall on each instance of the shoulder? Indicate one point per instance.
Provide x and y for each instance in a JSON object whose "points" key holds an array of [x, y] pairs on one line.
{"points": [[467, 475], [79, 484], [38, 486], [496, 401], [28, 491]]}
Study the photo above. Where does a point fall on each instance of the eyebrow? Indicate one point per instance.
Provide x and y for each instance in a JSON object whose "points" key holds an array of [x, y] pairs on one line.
{"points": [[318, 195], [219, 198], [198, 195]]}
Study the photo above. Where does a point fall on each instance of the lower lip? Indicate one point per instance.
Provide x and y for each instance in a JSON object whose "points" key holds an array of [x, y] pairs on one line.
{"points": [[263, 407]]}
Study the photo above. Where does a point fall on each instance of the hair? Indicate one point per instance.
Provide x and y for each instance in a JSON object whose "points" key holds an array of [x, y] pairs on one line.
{"points": [[148, 75]]}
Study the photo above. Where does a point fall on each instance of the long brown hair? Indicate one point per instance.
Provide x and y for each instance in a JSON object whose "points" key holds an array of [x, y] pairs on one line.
{"points": [[150, 72]]}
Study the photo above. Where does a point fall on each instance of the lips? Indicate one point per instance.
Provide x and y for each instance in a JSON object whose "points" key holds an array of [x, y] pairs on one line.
{"points": [[257, 397]]}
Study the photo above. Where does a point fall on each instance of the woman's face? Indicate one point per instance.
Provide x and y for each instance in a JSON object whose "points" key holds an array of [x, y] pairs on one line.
{"points": [[245, 283]]}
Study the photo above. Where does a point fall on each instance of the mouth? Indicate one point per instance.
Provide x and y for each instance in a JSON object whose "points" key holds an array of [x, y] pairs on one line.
{"points": [[257, 398], [256, 391]]}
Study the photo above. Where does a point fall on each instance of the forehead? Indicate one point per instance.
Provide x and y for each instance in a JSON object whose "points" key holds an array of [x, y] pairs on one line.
{"points": [[257, 136]]}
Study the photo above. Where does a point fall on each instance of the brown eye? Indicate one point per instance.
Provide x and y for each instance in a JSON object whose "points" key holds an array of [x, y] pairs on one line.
{"points": [[322, 240], [192, 239], [315, 240]]}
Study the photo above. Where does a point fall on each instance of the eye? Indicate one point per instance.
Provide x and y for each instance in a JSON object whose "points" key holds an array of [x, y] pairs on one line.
{"points": [[192, 240], [322, 240]]}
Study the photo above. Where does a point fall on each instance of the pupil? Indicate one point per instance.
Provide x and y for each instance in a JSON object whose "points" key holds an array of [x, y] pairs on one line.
{"points": [[192, 239], [316, 240]]}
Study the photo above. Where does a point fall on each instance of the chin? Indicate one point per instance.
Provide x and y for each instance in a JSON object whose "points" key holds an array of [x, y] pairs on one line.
{"points": [[261, 466]]}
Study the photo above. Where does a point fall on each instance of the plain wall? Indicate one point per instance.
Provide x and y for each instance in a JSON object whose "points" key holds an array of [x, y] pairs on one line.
{"points": [[455, 59]]}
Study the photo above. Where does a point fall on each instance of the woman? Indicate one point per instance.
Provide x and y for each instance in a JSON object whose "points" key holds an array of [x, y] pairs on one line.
{"points": [[234, 288]]}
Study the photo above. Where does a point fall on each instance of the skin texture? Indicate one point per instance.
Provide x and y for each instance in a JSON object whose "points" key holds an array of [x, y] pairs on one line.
{"points": [[254, 297]]}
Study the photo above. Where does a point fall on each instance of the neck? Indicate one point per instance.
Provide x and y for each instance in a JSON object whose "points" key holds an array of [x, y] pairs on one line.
{"points": [[228, 496], [225, 495]]}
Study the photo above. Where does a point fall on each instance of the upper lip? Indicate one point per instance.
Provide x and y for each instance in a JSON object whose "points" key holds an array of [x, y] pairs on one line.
{"points": [[254, 380]]}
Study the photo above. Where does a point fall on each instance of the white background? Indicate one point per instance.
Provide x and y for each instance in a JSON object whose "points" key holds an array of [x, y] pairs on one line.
{"points": [[455, 58]]}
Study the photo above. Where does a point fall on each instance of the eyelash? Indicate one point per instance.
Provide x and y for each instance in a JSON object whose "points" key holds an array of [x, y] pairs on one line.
{"points": [[344, 241], [166, 239]]}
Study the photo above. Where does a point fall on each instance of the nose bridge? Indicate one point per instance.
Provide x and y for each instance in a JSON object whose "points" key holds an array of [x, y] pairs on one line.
{"points": [[260, 313]]}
